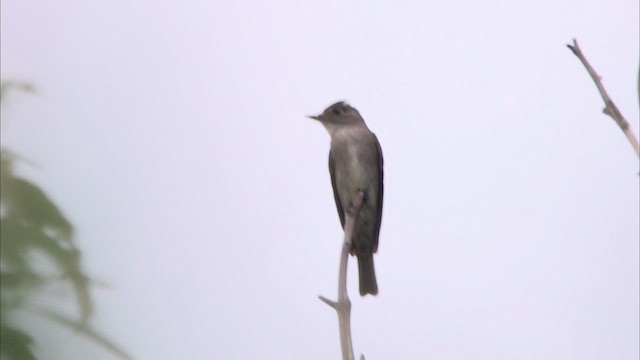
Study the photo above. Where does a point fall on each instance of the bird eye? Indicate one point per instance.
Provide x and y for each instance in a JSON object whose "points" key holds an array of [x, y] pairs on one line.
{"points": [[337, 111]]}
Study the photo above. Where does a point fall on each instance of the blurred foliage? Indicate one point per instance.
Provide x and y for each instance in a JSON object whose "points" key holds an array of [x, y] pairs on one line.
{"points": [[33, 229], [17, 85]]}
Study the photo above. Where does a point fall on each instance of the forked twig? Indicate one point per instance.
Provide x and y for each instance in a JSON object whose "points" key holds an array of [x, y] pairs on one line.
{"points": [[343, 305]]}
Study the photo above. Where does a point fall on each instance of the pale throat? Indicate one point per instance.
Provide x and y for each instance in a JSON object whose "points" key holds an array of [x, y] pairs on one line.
{"points": [[347, 136], [353, 129]]}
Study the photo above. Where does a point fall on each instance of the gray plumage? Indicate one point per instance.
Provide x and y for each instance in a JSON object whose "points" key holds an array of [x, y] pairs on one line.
{"points": [[355, 164]]}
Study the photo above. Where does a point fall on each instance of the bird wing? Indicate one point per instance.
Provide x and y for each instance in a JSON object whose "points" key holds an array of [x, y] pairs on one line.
{"points": [[335, 190], [380, 192]]}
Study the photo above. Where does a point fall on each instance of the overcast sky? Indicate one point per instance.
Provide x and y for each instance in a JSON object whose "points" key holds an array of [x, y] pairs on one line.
{"points": [[174, 137]]}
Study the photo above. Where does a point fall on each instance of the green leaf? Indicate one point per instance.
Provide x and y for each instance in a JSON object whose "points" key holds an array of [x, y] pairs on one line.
{"points": [[15, 344], [31, 222], [27, 201], [84, 330], [20, 238]]}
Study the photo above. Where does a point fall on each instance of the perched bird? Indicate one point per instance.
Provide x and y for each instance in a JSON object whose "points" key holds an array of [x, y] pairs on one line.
{"points": [[355, 164]]}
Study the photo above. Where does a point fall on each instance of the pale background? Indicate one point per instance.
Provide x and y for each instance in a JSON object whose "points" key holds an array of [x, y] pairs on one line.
{"points": [[173, 136]]}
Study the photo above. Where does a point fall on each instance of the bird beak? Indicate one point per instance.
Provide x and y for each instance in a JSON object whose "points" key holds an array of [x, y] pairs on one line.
{"points": [[314, 117]]}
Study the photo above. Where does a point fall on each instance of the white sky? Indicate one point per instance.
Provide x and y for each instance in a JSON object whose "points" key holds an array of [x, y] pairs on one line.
{"points": [[174, 138]]}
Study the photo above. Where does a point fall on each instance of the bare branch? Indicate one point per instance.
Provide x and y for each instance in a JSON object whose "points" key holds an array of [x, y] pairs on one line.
{"points": [[343, 305], [610, 108]]}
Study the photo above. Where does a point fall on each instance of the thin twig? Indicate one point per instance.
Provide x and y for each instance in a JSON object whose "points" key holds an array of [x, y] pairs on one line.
{"points": [[609, 107], [343, 305]]}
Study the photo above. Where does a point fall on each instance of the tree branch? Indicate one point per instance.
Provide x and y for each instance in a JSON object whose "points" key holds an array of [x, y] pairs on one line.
{"points": [[343, 305], [609, 107]]}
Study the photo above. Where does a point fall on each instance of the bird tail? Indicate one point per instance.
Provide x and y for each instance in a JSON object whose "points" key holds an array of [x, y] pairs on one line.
{"points": [[368, 283]]}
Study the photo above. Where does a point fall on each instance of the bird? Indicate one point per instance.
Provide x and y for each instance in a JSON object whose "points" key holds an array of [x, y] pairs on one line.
{"points": [[356, 165]]}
